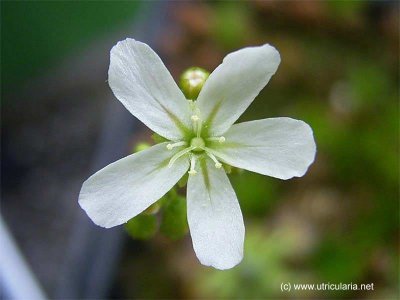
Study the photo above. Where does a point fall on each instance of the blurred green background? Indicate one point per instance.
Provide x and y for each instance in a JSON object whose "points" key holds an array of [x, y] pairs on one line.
{"points": [[38, 34], [339, 73]]}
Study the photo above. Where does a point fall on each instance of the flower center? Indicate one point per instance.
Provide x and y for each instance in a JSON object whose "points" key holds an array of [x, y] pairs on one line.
{"points": [[196, 148], [198, 144]]}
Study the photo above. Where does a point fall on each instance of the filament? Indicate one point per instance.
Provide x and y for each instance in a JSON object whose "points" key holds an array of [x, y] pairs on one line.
{"points": [[218, 165], [179, 154], [192, 171], [219, 139], [171, 146]]}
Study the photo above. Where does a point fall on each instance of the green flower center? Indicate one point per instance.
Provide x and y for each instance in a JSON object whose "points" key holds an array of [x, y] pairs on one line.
{"points": [[198, 143], [196, 147]]}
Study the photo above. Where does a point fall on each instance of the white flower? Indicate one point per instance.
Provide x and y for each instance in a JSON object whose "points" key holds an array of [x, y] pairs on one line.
{"points": [[202, 137]]}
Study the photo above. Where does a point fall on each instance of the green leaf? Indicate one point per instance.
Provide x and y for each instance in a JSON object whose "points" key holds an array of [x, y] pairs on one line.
{"points": [[174, 223], [142, 226]]}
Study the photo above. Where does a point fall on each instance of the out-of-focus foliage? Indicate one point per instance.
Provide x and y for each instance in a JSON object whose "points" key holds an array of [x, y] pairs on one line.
{"points": [[269, 261], [143, 226], [258, 196], [174, 222], [37, 34]]}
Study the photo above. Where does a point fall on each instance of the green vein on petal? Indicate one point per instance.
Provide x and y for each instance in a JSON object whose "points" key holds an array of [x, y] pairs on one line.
{"points": [[204, 171], [185, 131], [212, 115]]}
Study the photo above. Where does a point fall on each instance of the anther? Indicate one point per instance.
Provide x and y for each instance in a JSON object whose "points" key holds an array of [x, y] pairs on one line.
{"points": [[192, 171], [218, 165], [220, 139], [171, 146]]}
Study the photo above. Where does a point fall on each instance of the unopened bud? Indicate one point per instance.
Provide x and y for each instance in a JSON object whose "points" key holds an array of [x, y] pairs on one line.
{"points": [[192, 81], [141, 147]]}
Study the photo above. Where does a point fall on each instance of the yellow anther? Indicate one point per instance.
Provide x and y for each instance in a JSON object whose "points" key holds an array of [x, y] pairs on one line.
{"points": [[218, 165], [221, 139], [192, 172], [195, 118]]}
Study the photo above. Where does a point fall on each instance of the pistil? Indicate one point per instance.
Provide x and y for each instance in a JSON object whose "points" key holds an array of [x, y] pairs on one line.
{"points": [[198, 143], [197, 124], [179, 154]]}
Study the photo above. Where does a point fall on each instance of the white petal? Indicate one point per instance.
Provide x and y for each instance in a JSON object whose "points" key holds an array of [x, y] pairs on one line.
{"points": [[214, 217], [277, 147], [234, 84], [140, 80], [128, 186]]}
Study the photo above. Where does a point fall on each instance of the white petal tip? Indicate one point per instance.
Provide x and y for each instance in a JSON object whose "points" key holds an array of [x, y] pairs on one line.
{"points": [[225, 265]]}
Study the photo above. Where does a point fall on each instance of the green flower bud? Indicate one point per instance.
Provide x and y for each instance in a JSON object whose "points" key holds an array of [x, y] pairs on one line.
{"points": [[141, 147], [174, 223], [142, 226], [192, 81]]}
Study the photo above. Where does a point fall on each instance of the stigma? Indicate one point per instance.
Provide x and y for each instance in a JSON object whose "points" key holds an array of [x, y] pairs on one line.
{"points": [[198, 144]]}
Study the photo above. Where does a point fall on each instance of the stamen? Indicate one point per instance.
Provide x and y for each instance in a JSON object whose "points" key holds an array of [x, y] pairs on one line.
{"points": [[179, 154], [220, 139], [218, 165], [192, 171], [171, 146], [195, 118]]}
